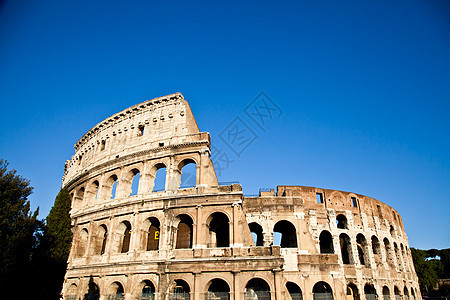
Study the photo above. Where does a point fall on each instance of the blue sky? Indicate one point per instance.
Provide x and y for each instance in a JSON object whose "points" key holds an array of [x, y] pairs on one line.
{"points": [[364, 90]]}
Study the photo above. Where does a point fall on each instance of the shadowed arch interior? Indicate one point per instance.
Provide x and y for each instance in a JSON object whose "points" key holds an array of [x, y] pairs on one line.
{"points": [[184, 232], [219, 230], [257, 233], [288, 234]]}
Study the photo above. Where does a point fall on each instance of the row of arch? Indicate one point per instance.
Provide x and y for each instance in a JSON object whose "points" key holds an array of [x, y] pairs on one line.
{"points": [[133, 182], [362, 246], [217, 224], [371, 293], [342, 223]]}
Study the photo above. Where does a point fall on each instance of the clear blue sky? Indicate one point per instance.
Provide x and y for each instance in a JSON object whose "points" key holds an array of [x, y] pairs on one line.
{"points": [[364, 87]]}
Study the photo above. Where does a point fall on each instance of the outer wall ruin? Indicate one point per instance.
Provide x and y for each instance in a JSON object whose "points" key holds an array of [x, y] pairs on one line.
{"points": [[209, 241]]}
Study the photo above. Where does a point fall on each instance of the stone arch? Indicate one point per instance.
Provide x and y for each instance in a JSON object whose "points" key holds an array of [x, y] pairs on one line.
{"points": [[346, 249], [363, 253], [218, 289], [288, 234], [82, 242], [257, 233], [389, 254], [391, 230], [92, 190], [130, 182], [397, 256], [159, 173], [110, 187], [125, 236], [79, 196], [153, 234], [147, 290], [386, 293], [184, 232], [257, 288], [397, 292], [376, 249], [413, 295], [341, 221], [115, 291], [352, 292], [100, 240], [294, 291], [181, 290], [326, 242], [370, 292], [219, 230], [187, 169], [322, 291], [93, 292], [72, 292], [405, 292]]}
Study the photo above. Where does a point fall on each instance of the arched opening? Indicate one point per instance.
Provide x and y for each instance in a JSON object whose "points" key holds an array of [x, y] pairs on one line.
{"points": [[148, 291], [115, 291], [72, 292], [188, 170], [79, 195], [346, 249], [256, 289], [135, 181], [159, 183], [92, 191], [376, 249], [110, 187], [102, 236], [218, 290], [326, 242], [341, 221], [288, 234], [413, 295], [180, 291], [391, 230], [352, 292], [322, 291], [257, 233], [405, 293], [397, 294], [386, 293], [93, 292], [82, 243], [184, 232], [361, 244], [153, 235], [389, 255], [294, 291], [219, 230], [371, 293], [397, 256], [126, 227]]}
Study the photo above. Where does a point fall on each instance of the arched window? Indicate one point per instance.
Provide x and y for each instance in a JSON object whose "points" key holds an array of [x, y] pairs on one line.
{"points": [[181, 290], [126, 227], [257, 288], [375, 246], [102, 236], [93, 292], [386, 293], [341, 221], [79, 195], [397, 294], [352, 292], [82, 243], [288, 234], [160, 178], [326, 242], [397, 256], [153, 235], [218, 290], [391, 230], [322, 291], [219, 230], [92, 191], [371, 293], [135, 181], [346, 249], [72, 292], [188, 170], [294, 291], [110, 187], [148, 291], [361, 244], [389, 255], [184, 232], [405, 293], [413, 296], [115, 291], [257, 233]]}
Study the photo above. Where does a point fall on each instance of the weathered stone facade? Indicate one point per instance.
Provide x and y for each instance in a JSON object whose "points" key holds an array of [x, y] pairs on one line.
{"points": [[208, 241]]}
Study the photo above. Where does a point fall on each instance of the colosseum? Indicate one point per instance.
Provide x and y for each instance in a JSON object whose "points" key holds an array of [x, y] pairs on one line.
{"points": [[208, 240]]}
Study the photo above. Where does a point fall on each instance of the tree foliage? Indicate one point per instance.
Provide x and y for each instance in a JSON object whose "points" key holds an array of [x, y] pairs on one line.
{"points": [[17, 226]]}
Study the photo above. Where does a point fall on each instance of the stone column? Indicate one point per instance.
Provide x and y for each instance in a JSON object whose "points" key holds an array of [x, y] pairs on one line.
{"points": [[236, 289], [277, 284], [197, 287]]}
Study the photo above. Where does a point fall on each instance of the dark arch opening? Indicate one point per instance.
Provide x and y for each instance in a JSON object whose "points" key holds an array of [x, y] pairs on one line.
{"points": [[104, 238], [181, 290], [159, 183], [188, 169], [386, 293], [148, 291], [135, 181], [371, 293], [257, 233], [184, 232], [116, 291], [391, 230], [288, 234], [352, 292], [93, 292], [375, 245], [346, 249], [219, 230], [218, 290], [326, 242], [361, 244], [396, 291], [153, 234], [322, 291], [257, 288], [294, 291], [341, 221], [126, 237]]}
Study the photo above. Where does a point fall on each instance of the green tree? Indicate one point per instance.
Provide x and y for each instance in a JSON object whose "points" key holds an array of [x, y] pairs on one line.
{"points": [[17, 227]]}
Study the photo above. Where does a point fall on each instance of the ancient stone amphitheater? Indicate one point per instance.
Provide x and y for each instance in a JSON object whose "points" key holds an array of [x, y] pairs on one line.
{"points": [[209, 241]]}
